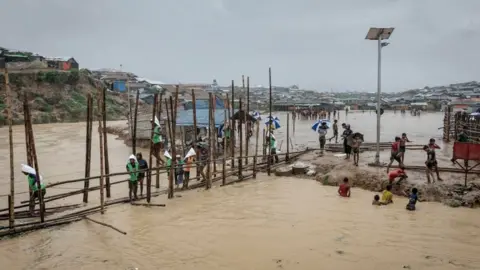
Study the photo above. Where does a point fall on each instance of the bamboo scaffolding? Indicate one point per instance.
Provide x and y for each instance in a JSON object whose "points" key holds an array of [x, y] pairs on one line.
{"points": [[105, 141], [88, 146], [100, 113], [11, 197], [35, 160]]}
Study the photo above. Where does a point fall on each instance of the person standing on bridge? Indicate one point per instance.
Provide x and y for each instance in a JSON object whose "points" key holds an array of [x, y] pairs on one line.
{"points": [[143, 165], [133, 169], [156, 139]]}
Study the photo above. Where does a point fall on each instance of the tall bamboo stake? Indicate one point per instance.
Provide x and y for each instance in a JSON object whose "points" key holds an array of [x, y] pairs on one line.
{"points": [[248, 123], [102, 163], [173, 163], [157, 160], [135, 119], [149, 174], [105, 138], [214, 135], [269, 168], [240, 159], [11, 202], [240, 124], [88, 146], [224, 161], [210, 159], [35, 161], [232, 127], [194, 108], [27, 139], [256, 151], [288, 137], [264, 146]]}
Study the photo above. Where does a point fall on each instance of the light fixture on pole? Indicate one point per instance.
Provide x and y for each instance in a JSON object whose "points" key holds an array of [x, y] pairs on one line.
{"points": [[379, 34]]}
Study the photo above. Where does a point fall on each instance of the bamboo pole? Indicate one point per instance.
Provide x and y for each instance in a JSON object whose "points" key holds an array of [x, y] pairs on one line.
{"points": [[232, 126], [214, 135], [11, 201], [224, 161], [170, 176], [248, 123], [264, 148], [106, 225], [209, 163], [173, 162], [288, 137], [149, 174], [105, 141], [35, 161], [157, 159], [256, 151], [88, 146], [135, 119], [240, 139], [270, 120], [194, 108], [100, 135]]}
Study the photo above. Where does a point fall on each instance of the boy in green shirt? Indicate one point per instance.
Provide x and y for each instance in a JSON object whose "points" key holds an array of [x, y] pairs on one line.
{"points": [[133, 169], [33, 186], [156, 139]]}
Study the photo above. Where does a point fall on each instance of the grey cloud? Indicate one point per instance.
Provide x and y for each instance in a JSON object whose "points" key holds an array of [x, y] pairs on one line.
{"points": [[316, 44]]}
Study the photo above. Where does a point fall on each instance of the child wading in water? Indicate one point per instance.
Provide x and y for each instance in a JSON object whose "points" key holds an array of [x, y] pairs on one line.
{"points": [[403, 147], [387, 196], [395, 155], [376, 201], [412, 200], [344, 189]]}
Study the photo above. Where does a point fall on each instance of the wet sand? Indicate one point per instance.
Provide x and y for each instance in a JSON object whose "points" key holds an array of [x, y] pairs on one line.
{"points": [[268, 223]]}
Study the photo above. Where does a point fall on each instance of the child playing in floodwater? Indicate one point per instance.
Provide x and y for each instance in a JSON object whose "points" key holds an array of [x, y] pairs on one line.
{"points": [[399, 173], [412, 200], [376, 200], [344, 189], [403, 147], [387, 196], [395, 155]]}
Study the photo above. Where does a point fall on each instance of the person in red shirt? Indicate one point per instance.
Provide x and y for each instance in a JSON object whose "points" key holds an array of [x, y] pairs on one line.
{"points": [[395, 153], [344, 189], [399, 173]]}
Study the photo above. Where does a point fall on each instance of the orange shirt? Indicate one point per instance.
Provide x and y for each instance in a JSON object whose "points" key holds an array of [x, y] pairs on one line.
{"points": [[188, 164]]}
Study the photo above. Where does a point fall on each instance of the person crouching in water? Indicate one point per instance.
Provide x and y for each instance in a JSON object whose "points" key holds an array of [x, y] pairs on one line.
{"points": [[344, 189], [179, 171], [395, 153], [412, 200], [35, 193], [133, 170], [143, 166]]}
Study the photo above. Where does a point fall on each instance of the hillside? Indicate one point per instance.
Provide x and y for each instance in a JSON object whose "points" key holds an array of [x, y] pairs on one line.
{"points": [[57, 96]]}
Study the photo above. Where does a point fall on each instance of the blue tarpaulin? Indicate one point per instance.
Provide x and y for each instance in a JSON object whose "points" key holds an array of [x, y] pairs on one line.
{"points": [[185, 118], [202, 104]]}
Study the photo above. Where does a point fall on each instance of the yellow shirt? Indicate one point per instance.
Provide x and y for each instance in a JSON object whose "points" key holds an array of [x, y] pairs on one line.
{"points": [[387, 196]]}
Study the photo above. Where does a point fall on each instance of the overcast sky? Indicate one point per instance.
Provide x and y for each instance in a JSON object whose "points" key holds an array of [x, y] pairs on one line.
{"points": [[316, 44]]}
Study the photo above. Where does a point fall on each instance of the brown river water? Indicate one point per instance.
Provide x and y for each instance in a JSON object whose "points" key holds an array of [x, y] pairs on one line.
{"points": [[267, 223]]}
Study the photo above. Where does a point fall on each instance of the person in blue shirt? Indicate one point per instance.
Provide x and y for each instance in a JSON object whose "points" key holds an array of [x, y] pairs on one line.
{"points": [[412, 200]]}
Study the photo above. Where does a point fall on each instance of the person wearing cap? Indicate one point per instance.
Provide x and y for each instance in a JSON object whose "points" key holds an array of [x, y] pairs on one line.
{"points": [[33, 186], [156, 139], [143, 166], [179, 170], [133, 170]]}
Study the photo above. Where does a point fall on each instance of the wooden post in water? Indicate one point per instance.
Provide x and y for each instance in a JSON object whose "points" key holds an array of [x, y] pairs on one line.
{"points": [[232, 127], [135, 119], [105, 144], [157, 159], [149, 173], [35, 161], [269, 132], [168, 127], [240, 139], [248, 123], [287, 157], [264, 147], [256, 150], [224, 161], [208, 183], [100, 136], [194, 108], [11, 201], [88, 146], [214, 135]]}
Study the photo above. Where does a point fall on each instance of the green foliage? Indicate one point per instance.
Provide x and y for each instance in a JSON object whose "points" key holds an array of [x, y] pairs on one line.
{"points": [[59, 77]]}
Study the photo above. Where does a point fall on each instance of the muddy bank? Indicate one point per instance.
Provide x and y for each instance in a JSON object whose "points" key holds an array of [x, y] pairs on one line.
{"points": [[121, 131], [330, 170]]}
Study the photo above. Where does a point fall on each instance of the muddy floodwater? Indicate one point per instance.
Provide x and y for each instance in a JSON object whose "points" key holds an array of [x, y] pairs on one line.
{"points": [[267, 223]]}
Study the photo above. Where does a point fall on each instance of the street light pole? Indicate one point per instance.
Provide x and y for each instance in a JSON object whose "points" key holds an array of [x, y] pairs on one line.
{"points": [[379, 34]]}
